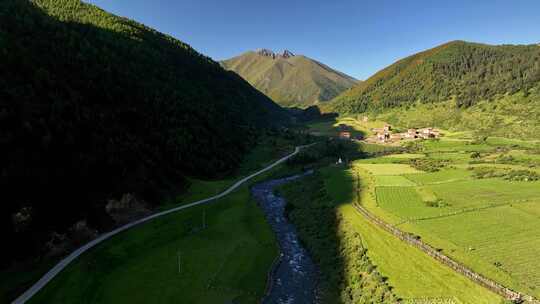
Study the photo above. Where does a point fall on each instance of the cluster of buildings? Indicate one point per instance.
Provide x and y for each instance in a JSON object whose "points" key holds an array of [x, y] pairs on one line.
{"points": [[385, 134]]}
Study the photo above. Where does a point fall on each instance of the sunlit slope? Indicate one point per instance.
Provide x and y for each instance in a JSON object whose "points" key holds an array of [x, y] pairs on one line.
{"points": [[290, 81], [466, 72]]}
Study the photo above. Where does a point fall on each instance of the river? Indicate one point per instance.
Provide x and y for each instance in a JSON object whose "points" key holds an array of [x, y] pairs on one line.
{"points": [[294, 277]]}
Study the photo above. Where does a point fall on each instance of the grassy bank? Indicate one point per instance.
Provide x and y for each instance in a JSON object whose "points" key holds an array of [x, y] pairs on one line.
{"points": [[347, 275]]}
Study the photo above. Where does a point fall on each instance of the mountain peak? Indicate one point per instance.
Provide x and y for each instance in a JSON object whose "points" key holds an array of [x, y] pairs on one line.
{"points": [[287, 54], [269, 53], [289, 79], [266, 52]]}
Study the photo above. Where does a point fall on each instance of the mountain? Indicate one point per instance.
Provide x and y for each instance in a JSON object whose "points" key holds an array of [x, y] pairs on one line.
{"points": [[95, 106], [289, 79], [464, 72]]}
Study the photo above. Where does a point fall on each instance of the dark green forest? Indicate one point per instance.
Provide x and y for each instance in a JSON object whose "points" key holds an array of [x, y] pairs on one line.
{"points": [[466, 72], [93, 106]]}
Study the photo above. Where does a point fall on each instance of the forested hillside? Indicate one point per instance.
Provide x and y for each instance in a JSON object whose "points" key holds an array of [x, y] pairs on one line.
{"points": [[464, 72], [290, 80], [94, 106]]}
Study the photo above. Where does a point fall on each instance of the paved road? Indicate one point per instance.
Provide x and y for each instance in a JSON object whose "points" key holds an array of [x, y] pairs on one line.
{"points": [[75, 254]]}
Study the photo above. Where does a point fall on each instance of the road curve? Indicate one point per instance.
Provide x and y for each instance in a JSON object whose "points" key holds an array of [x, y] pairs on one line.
{"points": [[51, 274]]}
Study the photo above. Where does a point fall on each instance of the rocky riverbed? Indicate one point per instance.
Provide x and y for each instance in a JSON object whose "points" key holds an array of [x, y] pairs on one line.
{"points": [[294, 277]]}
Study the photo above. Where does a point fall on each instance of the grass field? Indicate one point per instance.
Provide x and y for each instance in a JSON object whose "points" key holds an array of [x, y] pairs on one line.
{"points": [[388, 169], [413, 275], [405, 155], [330, 127], [492, 225], [442, 176], [393, 180], [226, 261], [233, 219], [514, 245], [406, 203]]}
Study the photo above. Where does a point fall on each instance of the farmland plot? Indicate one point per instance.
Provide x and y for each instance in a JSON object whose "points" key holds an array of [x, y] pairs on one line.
{"points": [[443, 176], [504, 236], [491, 225], [393, 180], [406, 203], [388, 169], [485, 192]]}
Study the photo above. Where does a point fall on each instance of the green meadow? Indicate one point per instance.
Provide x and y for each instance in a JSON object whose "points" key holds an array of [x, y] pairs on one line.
{"points": [[176, 258], [227, 260], [413, 276], [491, 224]]}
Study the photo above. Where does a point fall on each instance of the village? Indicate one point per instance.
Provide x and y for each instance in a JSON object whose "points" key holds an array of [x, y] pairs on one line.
{"points": [[388, 135]]}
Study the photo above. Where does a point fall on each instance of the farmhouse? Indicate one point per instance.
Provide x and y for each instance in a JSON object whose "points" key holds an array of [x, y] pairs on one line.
{"points": [[345, 135], [396, 137], [386, 134], [411, 133], [428, 133], [383, 137]]}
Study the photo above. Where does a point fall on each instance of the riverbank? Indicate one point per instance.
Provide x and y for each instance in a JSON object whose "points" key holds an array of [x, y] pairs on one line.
{"points": [[293, 278]]}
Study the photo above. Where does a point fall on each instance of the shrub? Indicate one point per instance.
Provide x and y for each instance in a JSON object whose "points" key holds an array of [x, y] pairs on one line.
{"points": [[507, 174], [428, 165], [476, 154]]}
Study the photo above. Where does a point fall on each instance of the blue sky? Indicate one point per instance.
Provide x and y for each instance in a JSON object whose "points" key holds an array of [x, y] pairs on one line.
{"points": [[355, 37]]}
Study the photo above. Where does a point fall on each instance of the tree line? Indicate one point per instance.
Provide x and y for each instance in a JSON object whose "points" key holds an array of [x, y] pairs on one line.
{"points": [[465, 72], [94, 106]]}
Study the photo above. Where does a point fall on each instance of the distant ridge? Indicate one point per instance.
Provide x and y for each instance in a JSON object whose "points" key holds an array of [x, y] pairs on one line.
{"points": [[290, 79], [464, 71]]}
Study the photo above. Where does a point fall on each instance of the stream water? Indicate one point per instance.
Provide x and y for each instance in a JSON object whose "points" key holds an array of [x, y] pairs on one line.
{"points": [[294, 278]]}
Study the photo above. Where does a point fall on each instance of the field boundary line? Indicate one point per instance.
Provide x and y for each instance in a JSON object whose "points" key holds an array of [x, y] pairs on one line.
{"points": [[53, 272], [463, 211], [413, 240]]}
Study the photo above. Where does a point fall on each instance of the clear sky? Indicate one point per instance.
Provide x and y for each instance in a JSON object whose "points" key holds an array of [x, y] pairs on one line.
{"points": [[357, 37]]}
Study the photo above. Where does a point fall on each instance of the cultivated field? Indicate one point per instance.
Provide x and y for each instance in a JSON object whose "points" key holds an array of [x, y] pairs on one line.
{"points": [[388, 169], [490, 223], [414, 276]]}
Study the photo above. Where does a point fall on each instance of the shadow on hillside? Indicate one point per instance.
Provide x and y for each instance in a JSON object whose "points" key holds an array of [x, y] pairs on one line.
{"points": [[90, 114], [361, 277], [330, 126], [345, 269]]}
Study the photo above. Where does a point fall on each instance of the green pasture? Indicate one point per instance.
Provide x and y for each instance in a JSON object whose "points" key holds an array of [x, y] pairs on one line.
{"points": [[451, 156], [491, 225], [485, 192], [235, 228], [445, 145], [411, 273], [175, 258], [406, 203], [393, 180], [501, 141], [505, 236], [442, 176], [387, 169], [405, 156]]}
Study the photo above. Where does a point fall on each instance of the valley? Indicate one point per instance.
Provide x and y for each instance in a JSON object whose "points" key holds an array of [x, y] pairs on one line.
{"points": [[135, 168]]}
